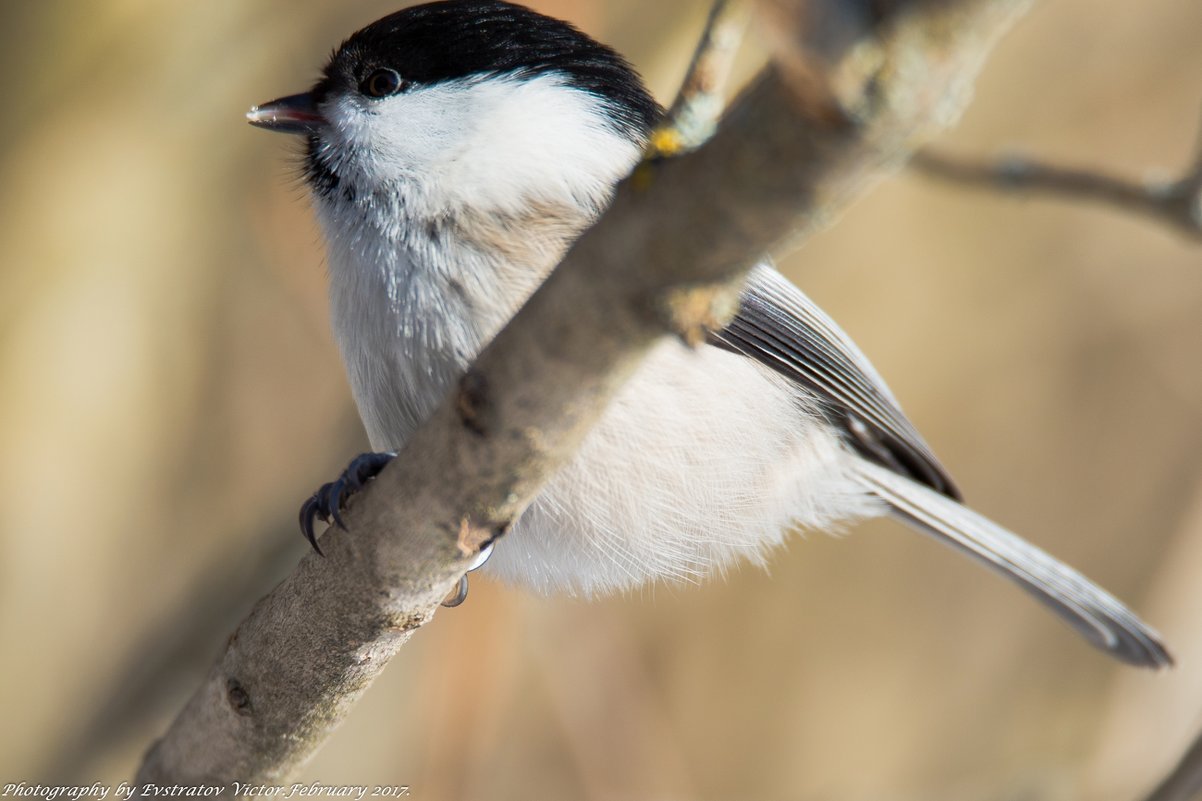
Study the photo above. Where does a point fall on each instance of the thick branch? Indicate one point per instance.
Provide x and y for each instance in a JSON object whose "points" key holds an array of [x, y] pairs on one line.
{"points": [[1177, 204], [667, 257]]}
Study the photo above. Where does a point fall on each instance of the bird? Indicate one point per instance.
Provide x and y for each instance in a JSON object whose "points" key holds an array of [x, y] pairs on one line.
{"points": [[454, 151]]}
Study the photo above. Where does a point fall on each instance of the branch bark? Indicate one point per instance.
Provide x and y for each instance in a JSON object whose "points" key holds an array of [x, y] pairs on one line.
{"points": [[694, 114], [1175, 203], [667, 258]]}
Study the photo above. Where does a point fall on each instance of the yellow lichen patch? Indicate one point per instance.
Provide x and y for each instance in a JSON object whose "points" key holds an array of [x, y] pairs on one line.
{"points": [[665, 143]]}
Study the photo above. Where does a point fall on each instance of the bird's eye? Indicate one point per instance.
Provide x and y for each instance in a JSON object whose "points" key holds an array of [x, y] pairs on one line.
{"points": [[382, 83]]}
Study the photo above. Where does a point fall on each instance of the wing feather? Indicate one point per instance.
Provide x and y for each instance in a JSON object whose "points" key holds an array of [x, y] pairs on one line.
{"points": [[778, 326]]}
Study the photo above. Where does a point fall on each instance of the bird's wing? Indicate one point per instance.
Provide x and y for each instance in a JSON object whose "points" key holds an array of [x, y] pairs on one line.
{"points": [[778, 326]]}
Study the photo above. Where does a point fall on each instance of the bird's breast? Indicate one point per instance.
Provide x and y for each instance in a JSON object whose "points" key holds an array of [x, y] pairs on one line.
{"points": [[412, 307]]}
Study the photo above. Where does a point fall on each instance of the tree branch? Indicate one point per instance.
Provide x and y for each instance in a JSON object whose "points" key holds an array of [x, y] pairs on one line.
{"points": [[1176, 203], [666, 258], [694, 115], [168, 654]]}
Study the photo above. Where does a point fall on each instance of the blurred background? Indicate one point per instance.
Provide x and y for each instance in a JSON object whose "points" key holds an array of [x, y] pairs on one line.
{"points": [[171, 393]]}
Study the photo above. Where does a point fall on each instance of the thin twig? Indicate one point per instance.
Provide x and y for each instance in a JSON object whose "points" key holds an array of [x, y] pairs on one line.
{"points": [[694, 115], [1176, 203], [1184, 782]]}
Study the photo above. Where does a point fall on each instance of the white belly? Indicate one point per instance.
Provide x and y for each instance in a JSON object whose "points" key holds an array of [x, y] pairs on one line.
{"points": [[704, 457]]}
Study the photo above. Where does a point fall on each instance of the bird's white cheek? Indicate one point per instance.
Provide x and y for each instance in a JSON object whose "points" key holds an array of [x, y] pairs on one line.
{"points": [[486, 145], [398, 138]]}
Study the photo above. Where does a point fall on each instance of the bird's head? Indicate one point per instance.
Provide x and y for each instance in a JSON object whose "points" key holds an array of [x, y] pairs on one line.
{"points": [[468, 102]]}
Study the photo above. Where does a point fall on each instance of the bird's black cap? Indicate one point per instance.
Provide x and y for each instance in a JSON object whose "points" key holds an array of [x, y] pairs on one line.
{"points": [[444, 41]]}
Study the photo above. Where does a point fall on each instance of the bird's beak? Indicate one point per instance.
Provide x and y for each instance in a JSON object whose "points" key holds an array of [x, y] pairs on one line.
{"points": [[296, 114]]}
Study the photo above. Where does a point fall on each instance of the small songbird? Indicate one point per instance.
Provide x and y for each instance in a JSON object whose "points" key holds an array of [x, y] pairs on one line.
{"points": [[454, 151]]}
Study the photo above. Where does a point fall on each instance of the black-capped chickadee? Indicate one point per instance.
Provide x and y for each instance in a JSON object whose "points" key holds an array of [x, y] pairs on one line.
{"points": [[455, 150]]}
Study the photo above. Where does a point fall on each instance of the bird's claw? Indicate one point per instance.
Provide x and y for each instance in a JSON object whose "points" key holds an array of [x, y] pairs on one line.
{"points": [[459, 594], [329, 501]]}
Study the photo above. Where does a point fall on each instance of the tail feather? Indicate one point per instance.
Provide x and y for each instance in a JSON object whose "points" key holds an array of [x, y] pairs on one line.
{"points": [[1089, 609]]}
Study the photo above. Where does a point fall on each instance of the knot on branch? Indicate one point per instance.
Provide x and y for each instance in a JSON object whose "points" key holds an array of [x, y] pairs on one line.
{"points": [[472, 401], [238, 697], [693, 312], [408, 623], [473, 538]]}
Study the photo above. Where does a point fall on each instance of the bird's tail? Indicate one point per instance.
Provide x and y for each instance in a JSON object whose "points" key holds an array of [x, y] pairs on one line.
{"points": [[1089, 609]]}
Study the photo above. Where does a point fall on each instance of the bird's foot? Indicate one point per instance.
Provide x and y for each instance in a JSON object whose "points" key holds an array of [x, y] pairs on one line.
{"points": [[328, 502]]}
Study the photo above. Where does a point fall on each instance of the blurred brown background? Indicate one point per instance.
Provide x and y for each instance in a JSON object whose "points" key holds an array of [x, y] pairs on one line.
{"points": [[171, 393]]}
